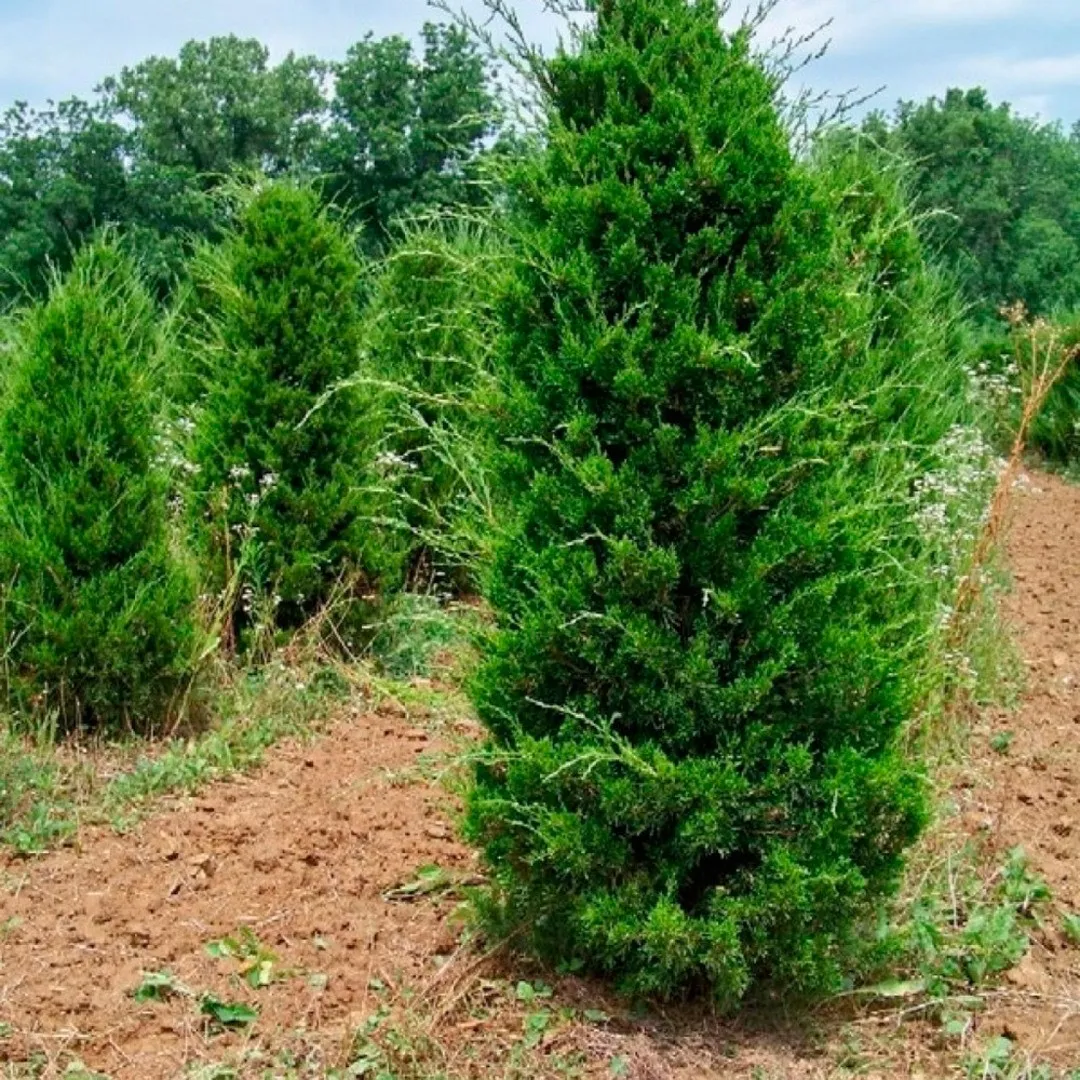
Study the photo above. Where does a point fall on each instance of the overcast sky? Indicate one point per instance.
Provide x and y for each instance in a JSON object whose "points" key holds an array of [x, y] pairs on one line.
{"points": [[1024, 51]]}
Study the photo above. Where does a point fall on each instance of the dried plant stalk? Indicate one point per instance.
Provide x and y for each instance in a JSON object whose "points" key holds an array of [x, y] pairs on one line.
{"points": [[1042, 359]]}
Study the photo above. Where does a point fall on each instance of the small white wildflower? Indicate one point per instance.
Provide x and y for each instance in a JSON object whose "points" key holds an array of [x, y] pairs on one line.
{"points": [[389, 460]]}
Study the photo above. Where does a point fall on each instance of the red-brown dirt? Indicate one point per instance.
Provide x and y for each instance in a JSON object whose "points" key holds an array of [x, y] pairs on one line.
{"points": [[308, 854], [1030, 797], [301, 854]]}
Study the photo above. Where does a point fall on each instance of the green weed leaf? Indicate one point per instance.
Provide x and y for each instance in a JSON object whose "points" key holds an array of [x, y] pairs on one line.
{"points": [[227, 1014]]}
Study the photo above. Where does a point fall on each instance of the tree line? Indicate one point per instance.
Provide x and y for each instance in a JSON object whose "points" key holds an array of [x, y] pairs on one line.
{"points": [[391, 127], [395, 127]]}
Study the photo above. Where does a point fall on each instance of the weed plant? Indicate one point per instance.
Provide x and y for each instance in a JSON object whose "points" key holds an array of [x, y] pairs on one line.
{"points": [[1056, 431], [429, 332]]}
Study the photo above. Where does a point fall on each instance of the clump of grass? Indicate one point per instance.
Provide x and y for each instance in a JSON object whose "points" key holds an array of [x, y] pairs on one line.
{"points": [[1044, 354], [424, 635], [1002, 1059], [519, 1030], [38, 792], [428, 335], [960, 927], [1056, 431]]}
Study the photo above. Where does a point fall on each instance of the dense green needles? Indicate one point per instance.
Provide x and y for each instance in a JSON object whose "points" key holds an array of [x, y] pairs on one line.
{"points": [[711, 603], [284, 440], [97, 610], [693, 403]]}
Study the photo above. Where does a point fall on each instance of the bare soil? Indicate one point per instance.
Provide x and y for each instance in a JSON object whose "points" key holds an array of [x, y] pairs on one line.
{"points": [[301, 854], [317, 855], [1030, 797]]}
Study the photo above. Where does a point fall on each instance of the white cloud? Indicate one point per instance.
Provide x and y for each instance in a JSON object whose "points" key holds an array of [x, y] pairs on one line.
{"points": [[1035, 71], [854, 23]]}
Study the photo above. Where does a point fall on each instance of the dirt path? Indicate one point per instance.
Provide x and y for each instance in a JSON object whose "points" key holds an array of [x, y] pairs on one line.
{"points": [[307, 856], [1029, 797], [300, 854]]}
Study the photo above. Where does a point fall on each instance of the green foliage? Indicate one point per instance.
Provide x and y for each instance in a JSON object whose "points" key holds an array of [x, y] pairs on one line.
{"points": [[1056, 432], [420, 636], [999, 364], [429, 332], [1070, 925], [159, 986], [283, 447], [725, 374], [61, 173], [1001, 1059], [1000, 195], [1001, 741], [148, 150], [218, 106], [33, 807], [223, 1015], [97, 611], [963, 929], [406, 131], [258, 965], [190, 123]]}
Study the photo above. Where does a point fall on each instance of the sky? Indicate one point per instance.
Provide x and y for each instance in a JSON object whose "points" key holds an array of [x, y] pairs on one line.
{"points": [[1023, 51]]}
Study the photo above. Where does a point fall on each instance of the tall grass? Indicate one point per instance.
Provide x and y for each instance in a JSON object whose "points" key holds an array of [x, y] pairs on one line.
{"points": [[1043, 356], [429, 332], [1055, 429]]}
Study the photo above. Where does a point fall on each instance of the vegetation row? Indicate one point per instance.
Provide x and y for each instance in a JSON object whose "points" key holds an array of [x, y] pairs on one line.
{"points": [[709, 414]]}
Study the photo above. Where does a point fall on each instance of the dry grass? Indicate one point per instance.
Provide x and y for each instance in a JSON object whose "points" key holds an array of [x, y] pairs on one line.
{"points": [[1042, 359]]}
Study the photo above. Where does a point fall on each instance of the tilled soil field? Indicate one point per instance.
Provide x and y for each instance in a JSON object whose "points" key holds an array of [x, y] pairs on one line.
{"points": [[254, 931]]}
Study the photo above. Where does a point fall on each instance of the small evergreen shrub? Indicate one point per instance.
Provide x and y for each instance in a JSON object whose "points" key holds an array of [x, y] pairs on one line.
{"points": [[284, 441], [97, 611], [714, 598]]}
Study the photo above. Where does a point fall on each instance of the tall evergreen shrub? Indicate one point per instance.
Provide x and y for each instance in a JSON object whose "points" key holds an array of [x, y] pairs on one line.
{"points": [[284, 438], [97, 612], [710, 607]]}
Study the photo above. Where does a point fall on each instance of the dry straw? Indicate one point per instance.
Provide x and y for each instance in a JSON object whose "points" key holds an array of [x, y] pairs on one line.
{"points": [[1042, 358]]}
